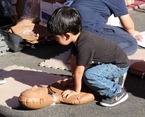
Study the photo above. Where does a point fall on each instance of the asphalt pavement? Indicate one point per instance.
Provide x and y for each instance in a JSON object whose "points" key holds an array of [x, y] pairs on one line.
{"points": [[32, 56]]}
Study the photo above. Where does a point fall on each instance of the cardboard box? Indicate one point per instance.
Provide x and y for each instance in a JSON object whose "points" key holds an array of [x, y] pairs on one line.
{"points": [[54, 1], [47, 7], [129, 2]]}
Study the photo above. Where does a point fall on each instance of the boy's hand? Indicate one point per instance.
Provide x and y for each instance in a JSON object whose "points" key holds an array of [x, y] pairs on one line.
{"points": [[68, 93]]}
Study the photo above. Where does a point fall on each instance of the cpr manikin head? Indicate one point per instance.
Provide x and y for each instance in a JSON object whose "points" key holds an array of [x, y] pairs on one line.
{"points": [[36, 97], [38, 92]]}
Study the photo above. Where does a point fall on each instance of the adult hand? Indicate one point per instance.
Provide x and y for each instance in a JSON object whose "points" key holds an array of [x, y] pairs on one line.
{"points": [[138, 36]]}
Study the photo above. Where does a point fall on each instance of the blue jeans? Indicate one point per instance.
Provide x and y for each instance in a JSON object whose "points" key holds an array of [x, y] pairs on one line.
{"points": [[100, 78], [119, 36]]}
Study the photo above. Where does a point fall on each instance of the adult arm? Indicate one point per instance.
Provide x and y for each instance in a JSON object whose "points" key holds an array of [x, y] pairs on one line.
{"points": [[128, 25], [120, 10]]}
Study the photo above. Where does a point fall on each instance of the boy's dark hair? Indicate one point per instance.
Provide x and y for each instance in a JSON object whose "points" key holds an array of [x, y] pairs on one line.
{"points": [[64, 20]]}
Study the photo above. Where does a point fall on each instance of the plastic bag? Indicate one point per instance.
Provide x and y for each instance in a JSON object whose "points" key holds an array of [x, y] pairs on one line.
{"points": [[6, 14], [14, 42], [8, 10], [32, 10], [68, 2]]}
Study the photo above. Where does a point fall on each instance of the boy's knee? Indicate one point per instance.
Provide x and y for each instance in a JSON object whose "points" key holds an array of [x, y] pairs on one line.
{"points": [[88, 74]]}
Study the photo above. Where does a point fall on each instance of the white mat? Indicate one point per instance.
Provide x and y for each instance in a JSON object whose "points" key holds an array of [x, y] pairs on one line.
{"points": [[18, 79], [58, 62]]}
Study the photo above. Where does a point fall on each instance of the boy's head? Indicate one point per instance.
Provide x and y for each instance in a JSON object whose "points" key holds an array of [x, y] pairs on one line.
{"points": [[64, 20]]}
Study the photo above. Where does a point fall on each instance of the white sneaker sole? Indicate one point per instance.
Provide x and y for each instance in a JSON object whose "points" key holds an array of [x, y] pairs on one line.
{"points": [[123, 80], [120, 101]]}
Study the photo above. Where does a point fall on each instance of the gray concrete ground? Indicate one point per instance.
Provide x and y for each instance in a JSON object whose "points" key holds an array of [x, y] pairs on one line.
{"points": [[31, 57], [138, 15]]}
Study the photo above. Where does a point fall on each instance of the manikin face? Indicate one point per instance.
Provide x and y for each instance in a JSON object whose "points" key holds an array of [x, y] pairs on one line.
{"points": [[36, 97], [36, 92]]}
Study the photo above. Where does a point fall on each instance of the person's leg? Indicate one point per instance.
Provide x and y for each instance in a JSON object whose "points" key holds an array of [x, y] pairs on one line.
{"points": [[100, 78], [119, 36]]}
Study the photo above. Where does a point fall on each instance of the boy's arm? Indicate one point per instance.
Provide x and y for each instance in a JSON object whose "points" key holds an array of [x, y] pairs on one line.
{"points": [[78, 78], [77, 74]]}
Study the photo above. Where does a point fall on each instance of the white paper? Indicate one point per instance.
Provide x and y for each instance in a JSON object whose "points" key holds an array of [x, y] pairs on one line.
{"points": [[142, 43]]}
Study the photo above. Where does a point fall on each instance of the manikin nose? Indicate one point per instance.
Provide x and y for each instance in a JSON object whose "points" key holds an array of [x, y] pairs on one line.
{"points": [[34, 87]]}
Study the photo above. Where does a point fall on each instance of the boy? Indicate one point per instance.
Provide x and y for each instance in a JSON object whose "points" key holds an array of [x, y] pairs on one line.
{"points": [[97, 61]]}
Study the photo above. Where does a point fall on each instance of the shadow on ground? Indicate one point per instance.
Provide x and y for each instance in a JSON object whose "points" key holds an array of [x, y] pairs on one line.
{"points": [[45, 50], [135, 85]]}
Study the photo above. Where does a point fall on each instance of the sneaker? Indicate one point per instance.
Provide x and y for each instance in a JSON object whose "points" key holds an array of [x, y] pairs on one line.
{"points": [[122, 79], [113, 101], [2, 80]]}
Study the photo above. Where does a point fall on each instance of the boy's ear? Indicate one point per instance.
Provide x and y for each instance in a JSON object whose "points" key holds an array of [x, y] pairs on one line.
{"points": [[67, 36]]}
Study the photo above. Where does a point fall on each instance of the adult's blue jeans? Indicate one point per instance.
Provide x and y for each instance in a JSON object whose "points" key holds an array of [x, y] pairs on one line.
{"points": [[119, 36], [101, 78]]}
